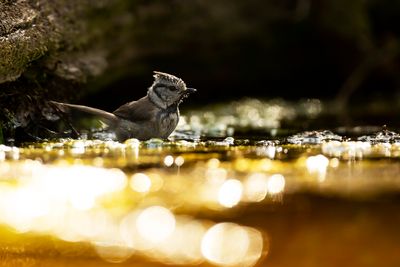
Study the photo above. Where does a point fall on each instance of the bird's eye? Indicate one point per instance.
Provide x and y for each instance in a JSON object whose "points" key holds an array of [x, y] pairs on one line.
{"points": [[172, 88]]}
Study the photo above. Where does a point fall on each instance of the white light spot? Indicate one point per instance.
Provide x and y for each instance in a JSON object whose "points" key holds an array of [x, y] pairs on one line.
{"points": [[140, 182], [317, 165], [183, 246], [346, 150], [78, 147], [334, 163], [256, 187], [169, 160], [213, 163], [132, 143], [179, 161], [230, 193], [276, 184], [229, 244], [155, 224]]}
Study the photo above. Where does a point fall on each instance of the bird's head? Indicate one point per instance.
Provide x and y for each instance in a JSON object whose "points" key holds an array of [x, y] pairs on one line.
{"points": [[168, 90]]}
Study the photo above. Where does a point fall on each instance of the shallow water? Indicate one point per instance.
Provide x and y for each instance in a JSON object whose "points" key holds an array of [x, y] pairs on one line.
{"points": [[239, 184]]}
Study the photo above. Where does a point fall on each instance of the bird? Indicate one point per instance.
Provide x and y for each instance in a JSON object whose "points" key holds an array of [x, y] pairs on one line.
{"points": [[155, 115]]}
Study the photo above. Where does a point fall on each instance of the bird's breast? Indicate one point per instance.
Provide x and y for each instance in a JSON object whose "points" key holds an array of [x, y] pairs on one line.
{"points": [[161, 126], [167, 123]]}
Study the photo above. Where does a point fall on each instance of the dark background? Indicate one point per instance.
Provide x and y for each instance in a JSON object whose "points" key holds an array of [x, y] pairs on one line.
{"points": [[330, 49], [102, 53]]}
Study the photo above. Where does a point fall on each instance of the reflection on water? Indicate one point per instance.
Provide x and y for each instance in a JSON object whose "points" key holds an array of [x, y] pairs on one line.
{"points": [[82, 203], [229, 244], [317, 164], [197, 200], [230, 193], [223, 119]]}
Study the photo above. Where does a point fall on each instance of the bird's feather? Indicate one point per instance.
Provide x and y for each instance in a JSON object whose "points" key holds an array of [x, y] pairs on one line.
{"points": [[107, 117], [137, 111]]}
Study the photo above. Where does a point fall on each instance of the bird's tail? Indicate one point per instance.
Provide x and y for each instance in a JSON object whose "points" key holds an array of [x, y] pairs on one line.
{"points": [[106, 117]]}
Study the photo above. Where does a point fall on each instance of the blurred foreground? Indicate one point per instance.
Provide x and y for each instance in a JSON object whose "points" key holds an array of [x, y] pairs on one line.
{"points": [[234, 186]]}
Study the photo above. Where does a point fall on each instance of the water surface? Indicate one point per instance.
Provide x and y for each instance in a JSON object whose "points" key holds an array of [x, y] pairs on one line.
{"points": [[245, 183]]}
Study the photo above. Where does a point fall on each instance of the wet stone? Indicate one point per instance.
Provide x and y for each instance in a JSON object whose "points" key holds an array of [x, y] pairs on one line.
{"points": [[313, 137], [154, 143], [266, 143], [384, 136], [229, 140], [185, 135]]}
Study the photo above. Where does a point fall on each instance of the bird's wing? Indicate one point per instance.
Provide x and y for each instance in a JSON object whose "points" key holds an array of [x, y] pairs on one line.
{"points": [[105, 116], [140, 110]]}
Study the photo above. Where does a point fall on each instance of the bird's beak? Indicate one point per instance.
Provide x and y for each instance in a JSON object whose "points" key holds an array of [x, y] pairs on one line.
{"points": [[190, 90], [187, 92]]}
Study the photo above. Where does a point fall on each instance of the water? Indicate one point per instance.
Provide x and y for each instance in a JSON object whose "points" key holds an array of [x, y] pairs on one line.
{"points": [[238, 184]]}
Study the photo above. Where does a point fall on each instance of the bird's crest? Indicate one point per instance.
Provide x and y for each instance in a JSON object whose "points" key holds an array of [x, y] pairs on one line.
{"points": [[165, 78]]}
